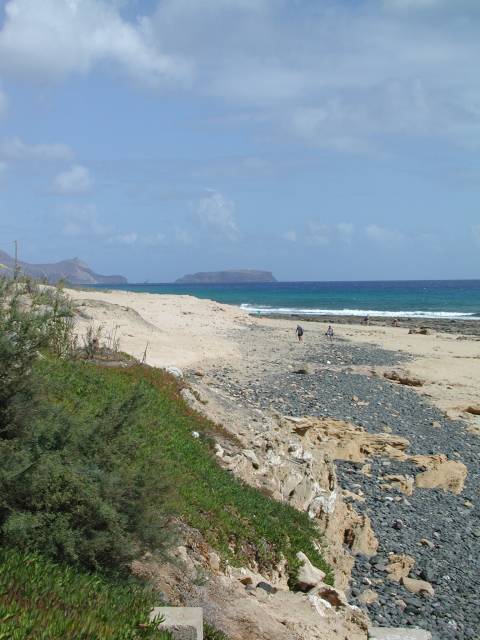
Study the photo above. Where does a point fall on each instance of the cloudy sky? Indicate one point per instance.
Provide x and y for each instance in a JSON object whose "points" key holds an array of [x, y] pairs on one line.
{"points": [[320, 139]]}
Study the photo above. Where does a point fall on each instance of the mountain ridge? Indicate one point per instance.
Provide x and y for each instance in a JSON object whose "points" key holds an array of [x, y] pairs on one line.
{"points": [[74, 271]]}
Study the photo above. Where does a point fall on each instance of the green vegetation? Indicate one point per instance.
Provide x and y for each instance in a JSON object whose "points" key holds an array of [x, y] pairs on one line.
{"points": [[40, 600], [96, 464]]}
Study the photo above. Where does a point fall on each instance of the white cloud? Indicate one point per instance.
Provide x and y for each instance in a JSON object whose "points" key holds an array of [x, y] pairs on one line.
{"points": [[77, 179], [346, 231], [290, 236], [335, 76], [384, 236], [217, 214], [127, 239], [53, 38], [16, 149], [318, 234]]}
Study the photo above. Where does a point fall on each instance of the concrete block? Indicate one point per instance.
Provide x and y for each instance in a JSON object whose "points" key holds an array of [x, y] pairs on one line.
{"points": [[391, 633], [184, 623]]}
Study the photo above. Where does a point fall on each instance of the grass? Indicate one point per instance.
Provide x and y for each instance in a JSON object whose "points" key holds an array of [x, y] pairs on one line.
{"points": [[179, 472], [41, 600]]}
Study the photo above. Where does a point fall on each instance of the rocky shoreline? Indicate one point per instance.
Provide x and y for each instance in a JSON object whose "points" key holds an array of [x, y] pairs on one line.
{"points": [[437, 528], [445, 325]]}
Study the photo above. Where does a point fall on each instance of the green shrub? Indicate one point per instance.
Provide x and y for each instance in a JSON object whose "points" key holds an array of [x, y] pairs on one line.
{"points": [[40, 600], [96, 461]]}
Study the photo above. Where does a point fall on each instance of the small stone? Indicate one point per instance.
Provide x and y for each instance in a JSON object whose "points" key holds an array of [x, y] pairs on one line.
{"points": [[266, 587], [397, 524], [195, 434], [427, 543], [368, 596]]}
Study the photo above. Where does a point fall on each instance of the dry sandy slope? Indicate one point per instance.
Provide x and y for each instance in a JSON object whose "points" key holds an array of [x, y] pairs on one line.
{"points": [[182, 331]]}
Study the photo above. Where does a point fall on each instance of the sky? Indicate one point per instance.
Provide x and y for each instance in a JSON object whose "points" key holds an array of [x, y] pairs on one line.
{"points": [[321, 140]]}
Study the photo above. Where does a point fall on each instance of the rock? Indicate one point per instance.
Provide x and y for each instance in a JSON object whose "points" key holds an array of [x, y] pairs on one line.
{"points": [[184, 623], [421, 331], [403, 483], [188, 396], [199, 373], [474, 410], [436, 424], [368, 596], [219, 450], [391, 633], [303, 370], [266, 587], [333, 596], [174, 371], [308, 575], [427, 543], [440, 473], [398, 524], [251, 456], [195, 434], [403, 379], [418, 586], [214, 561], [399, 566], [427, 574]]}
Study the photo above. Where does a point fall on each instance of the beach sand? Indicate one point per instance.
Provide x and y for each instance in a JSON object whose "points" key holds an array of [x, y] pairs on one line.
{"points": [[187, 332]]}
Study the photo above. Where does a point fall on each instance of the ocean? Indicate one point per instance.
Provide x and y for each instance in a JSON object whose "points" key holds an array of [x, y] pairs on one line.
{"points": [[416, 298]]}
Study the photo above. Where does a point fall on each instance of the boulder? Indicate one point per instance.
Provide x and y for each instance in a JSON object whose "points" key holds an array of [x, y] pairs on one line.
{"points": [[309, 576], [418, 586]]}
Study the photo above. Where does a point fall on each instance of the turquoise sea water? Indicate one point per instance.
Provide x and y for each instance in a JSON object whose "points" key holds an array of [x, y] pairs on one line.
{"points": [[420, 298]]}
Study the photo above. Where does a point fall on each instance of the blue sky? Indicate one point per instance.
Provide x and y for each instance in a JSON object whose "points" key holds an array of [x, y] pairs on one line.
{"points": [[320, 140]]}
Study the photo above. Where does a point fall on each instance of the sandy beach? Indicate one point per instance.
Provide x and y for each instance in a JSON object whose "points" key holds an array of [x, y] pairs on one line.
{"points": [[394, 410]]}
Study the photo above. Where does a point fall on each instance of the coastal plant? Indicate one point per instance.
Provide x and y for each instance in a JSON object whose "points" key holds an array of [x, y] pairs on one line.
{"points": [[42, 600]]}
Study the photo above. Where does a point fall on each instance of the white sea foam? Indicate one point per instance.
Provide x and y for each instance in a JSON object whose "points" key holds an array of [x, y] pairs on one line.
{"points": [[287, 311]]}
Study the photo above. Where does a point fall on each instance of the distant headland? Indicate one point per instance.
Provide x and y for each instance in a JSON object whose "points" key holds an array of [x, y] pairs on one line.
{"points": [[227, 277], [73, 271]]}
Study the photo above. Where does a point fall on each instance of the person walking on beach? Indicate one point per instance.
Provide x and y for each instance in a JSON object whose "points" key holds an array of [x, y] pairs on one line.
{"points": [[329, 332], [299, 332]]}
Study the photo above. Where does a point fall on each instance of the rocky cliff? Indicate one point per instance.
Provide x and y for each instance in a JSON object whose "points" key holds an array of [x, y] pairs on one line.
{"points": [[73, 271]]}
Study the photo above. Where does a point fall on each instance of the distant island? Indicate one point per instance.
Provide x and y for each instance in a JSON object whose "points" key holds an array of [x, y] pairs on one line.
{"points": [[73, 271], [227, 277]]}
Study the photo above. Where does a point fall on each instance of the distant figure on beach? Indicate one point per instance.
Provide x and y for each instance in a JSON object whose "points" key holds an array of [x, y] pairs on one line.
{"points": [[329, 332], [395, 323], [299, 332], [366, 320]]}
